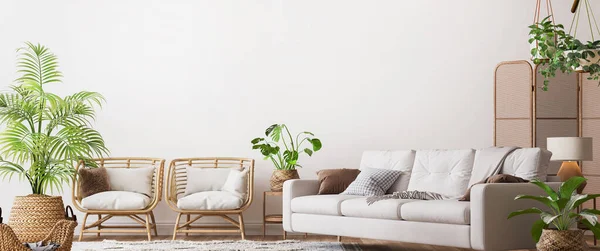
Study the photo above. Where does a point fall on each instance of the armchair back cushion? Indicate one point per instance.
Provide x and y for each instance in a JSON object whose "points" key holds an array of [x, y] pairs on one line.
{"points": [[237, 183], [137, 180], [206, 179], [446, 172]]}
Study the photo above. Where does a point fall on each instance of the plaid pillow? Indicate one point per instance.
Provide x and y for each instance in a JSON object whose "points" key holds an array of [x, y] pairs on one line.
{"points": [[372, 182]]}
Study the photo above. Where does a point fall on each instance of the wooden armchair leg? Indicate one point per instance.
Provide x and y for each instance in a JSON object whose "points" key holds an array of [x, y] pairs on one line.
{"points": [[83, 226], [242, 229], [188, 217], [176, 226], [154, 224], [148, 227], [99, 225]]}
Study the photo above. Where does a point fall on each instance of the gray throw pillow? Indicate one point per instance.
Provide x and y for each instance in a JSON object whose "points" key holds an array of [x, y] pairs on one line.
{"points": [[372, 182]]}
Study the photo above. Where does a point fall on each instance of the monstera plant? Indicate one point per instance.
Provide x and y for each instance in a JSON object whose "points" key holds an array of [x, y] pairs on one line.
{"points": [[44, 134], [560, 215], [284, 150]]}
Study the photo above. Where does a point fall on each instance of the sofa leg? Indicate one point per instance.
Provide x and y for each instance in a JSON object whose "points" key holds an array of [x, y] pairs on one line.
{"points": [[242, 229], [176, 226], [83, 227], [339, 238], [148, 227]]}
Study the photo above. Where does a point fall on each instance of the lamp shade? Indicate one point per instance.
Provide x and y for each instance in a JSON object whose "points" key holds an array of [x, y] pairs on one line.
{"points": [[570, 148]]}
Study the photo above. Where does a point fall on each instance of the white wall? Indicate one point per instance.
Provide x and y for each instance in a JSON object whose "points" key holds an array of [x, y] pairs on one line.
{"points": [[202, 78]]}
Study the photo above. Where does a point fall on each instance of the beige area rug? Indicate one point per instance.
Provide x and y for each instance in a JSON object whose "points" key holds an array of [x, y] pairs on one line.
{"points": [[213, 245]]}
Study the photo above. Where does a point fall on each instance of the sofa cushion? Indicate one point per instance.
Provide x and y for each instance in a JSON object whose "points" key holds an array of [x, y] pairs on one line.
{"points": [[446, 172], [527, 163], [116, 200], [328, 204], [383, 209], [206, 179], [335, 181], [210, 200], [394, 160], [437, 211]]}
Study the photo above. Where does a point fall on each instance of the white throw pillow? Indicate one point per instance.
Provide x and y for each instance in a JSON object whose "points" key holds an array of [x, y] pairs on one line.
{"points": [[237, 183], [206, 179], [528, 163], [372, 182], [137, 180]]}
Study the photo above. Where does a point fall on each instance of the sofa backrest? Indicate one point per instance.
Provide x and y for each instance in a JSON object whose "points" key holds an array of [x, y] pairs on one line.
{"points": [[394, 160], [445, 172], [448, 172]]}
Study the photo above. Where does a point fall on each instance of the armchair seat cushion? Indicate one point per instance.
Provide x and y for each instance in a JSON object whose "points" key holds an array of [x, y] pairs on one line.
{"points": [[328, 204], [210, 200], [116, 200], [438, 211]]}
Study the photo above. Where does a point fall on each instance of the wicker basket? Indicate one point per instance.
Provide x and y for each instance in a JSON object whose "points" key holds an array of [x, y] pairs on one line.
{"points": [[33, 216], [559, 240], [280, 176]]}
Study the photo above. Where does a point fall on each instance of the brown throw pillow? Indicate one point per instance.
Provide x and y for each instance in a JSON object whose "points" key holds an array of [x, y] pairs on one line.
{"points": [[335, 181], [93, 181], [498, 178]]}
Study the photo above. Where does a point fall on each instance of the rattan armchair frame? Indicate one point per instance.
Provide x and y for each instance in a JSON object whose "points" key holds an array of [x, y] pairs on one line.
{"points": [[177, 181], [147, 224]]}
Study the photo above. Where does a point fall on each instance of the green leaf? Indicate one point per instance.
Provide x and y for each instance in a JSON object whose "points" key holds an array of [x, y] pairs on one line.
{"points": [[568, 187], [536, 229], [276, 134], [593, 227], [308, 151], [587, 197], [316, 144], [549, 218], [270, 129], [547, 201], [590, 217], [553, 195], [256, 140], [525, 211]]}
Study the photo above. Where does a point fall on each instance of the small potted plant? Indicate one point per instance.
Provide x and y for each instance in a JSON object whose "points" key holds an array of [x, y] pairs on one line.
{"points": [[285, 155], [553, 230], [43, 136], [557, 50]]}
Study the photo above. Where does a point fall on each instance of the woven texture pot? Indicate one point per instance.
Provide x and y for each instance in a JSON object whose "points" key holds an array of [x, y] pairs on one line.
{"points": [[280, 176], [33, 216], [559, 240]]}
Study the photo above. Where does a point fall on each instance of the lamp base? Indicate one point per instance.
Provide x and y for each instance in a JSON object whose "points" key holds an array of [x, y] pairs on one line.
{"points": [[570, 169]]}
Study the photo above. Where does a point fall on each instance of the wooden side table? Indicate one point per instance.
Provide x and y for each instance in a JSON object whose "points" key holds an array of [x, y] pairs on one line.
{"points": [[271, 218]]}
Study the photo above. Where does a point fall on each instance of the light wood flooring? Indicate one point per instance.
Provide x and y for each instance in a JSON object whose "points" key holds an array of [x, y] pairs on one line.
{"points": [[365, 244]]}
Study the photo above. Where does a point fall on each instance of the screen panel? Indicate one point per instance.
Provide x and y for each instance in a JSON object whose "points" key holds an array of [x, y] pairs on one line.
{"points": [[513, 108]]}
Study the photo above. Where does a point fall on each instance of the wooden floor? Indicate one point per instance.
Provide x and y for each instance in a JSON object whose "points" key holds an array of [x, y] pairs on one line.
{"points": [[365, 244]]}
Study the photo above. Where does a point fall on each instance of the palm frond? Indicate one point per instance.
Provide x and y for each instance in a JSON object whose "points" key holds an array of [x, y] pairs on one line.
{"points": [[17, 142]]}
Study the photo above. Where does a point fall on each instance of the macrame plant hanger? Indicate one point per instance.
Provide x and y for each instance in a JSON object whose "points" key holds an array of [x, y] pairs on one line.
{"points": [[577, 9], [537, 15]]}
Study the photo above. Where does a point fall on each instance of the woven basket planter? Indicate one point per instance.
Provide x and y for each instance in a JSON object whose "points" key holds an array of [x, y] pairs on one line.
{"points": [[559, 240], [33, 216], [280, 176]]}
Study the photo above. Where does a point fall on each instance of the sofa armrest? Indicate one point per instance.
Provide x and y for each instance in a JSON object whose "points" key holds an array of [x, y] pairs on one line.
{"points": [[490, 206], [291, 190]]}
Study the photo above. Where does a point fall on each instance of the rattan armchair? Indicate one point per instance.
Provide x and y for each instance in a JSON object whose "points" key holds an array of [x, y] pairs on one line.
{"points": [[147, 224], [176, 185]]}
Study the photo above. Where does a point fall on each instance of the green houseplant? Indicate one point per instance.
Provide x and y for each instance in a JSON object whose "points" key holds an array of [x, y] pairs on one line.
{"points": [[44, 136], [557, 50], [553, 230], [285, 155]]}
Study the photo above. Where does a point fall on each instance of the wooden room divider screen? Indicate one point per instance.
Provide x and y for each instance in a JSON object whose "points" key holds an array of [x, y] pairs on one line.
{"points": [[525, 115]]}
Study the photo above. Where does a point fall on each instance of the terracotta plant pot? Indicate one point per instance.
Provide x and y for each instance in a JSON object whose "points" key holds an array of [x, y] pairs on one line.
{"points": [[33, 216], [280, 176], [571, 240]]}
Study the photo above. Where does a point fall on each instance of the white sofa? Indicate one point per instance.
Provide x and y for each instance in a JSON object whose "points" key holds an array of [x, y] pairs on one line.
{"points": [[480, 224]]}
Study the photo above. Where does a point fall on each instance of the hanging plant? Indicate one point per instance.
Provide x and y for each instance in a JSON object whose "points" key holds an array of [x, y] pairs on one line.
{"points": [[563, 51]]}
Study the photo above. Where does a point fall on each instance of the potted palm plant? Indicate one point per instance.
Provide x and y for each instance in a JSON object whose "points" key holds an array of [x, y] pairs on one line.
{"points": [[284, 156], [43, 136], [553, 230]]}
